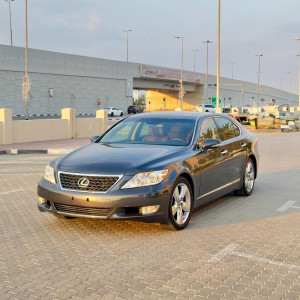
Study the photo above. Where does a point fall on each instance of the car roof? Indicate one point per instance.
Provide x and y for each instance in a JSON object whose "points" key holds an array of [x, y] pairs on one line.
{"points": [[174, 115]]}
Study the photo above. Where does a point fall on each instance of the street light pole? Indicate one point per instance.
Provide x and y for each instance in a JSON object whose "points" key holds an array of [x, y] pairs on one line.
{"points": [[298, 39], [218, 59], [232, 63], [281, 83], [181, 71], [195, 50], [299, 80], [127, 40], [290, 91], [206, 42], [258, 77], [26, 83], [11, 39]]}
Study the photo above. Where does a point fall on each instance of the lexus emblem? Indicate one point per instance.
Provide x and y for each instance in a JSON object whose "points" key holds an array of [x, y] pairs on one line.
{"points": [[83, 182]]}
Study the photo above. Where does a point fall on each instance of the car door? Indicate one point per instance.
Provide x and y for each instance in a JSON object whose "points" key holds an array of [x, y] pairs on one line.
{"points": [[115, 111], [234, 142], [211, 161]]}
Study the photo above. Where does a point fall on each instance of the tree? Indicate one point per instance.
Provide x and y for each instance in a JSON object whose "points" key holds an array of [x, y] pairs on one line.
{"points": [[140, 100]]}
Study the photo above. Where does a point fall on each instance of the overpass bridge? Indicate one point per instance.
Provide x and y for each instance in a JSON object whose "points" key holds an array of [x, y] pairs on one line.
{"points": [[79, 81]]}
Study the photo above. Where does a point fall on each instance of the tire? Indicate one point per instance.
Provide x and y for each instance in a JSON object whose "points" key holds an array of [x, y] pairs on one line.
{"points": [[121, 114], [180, 205], [135, 112], [112, 114], [248, 179], [207, 111]]}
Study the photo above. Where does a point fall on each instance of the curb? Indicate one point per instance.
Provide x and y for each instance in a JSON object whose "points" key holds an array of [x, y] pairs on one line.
{"points": [[49, 151]]}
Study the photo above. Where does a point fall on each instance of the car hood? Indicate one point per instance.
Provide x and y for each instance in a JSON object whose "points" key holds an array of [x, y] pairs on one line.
{"points": [[111, 159]]}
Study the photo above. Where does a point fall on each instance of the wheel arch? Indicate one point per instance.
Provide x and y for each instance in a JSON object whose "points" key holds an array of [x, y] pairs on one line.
{"points": [[255, 163], [189, 179]]}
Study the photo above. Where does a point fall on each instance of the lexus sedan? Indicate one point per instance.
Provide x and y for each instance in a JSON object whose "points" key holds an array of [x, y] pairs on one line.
{"points": [[152, 167]]}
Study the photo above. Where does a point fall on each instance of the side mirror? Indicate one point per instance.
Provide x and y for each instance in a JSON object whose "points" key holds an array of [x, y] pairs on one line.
{"points": [[94, 138], [211, 143]]}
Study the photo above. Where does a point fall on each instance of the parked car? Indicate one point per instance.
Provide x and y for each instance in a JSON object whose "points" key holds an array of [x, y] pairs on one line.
{"points": [[113, 111], [205, 108], [154, 167], [135, 109]]}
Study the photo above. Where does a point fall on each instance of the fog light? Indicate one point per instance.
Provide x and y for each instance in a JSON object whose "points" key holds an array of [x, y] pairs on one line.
{"points": [[146, 210], [42, 200]]}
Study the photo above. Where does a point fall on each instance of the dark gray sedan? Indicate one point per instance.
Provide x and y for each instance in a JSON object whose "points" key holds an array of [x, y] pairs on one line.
{"points": [[153, 167]]}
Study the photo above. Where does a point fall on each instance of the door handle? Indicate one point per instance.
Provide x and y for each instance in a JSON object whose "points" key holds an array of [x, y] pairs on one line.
{"points": [[223, 152], [243, 145]]}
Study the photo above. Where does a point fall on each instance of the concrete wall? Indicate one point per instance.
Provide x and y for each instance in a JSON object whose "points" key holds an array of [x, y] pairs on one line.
{"points": [[50, 129], [39, 130], [77, 81], [90, 126]]}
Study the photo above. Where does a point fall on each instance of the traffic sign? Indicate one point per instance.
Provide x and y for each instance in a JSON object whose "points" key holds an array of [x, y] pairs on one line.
{"points": [[214, 102]]}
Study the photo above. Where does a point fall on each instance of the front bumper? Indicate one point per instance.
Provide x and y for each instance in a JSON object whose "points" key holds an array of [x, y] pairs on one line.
{"points": [[115, 205]]}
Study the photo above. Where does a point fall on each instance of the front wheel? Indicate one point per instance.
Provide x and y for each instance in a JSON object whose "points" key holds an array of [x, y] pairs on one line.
{"points": [[180, 205], [121, 114], [248, 179], [112, 114]]}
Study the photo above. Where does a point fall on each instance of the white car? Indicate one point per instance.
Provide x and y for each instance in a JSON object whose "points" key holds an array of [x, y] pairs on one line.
{"points": [[113, 111], [205, 108]]}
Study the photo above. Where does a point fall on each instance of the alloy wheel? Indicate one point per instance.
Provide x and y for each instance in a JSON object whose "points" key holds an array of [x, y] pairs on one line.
{"points": [[249, 176], [181, 204]]}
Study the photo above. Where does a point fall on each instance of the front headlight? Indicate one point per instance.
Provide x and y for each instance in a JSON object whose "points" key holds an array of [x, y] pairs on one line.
{"points": [[146, 179], [49, 174]]}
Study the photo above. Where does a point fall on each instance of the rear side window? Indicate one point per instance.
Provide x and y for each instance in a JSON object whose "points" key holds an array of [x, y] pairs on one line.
{"points": [[229, 129], [209, 130]]}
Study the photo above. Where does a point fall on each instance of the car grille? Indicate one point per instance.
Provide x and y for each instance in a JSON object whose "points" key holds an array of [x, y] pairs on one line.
{"points": [[79, 210], [96, 183]]}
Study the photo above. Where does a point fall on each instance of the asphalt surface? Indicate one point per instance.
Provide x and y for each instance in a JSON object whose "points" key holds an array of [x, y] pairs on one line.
{"points": [[234, 248]]}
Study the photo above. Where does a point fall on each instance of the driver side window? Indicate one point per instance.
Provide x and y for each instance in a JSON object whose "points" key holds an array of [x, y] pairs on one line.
{"points": [[209, 130]]}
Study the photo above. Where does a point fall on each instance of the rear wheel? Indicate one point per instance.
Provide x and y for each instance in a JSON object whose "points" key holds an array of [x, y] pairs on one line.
{"points": [[180, 205], [248, 179], [121, 114], [112, 114]]}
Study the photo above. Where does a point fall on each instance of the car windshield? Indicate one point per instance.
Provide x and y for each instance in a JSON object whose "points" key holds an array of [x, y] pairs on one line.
{"points": [[155, 131]]}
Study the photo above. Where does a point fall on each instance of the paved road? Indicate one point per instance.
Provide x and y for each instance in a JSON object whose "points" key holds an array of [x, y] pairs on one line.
{"points": [[234, 248]]}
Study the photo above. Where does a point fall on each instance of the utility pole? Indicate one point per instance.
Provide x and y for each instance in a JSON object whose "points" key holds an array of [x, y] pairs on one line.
{"points": [[218, 110], [127, 40], [232, 63], [11, 38], [181, 73], [26, 82], [195, 50], [258, 78], [290, 91]]}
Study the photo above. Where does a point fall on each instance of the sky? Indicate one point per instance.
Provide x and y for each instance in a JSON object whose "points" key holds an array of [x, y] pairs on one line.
{"points": [[95, 28]]}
